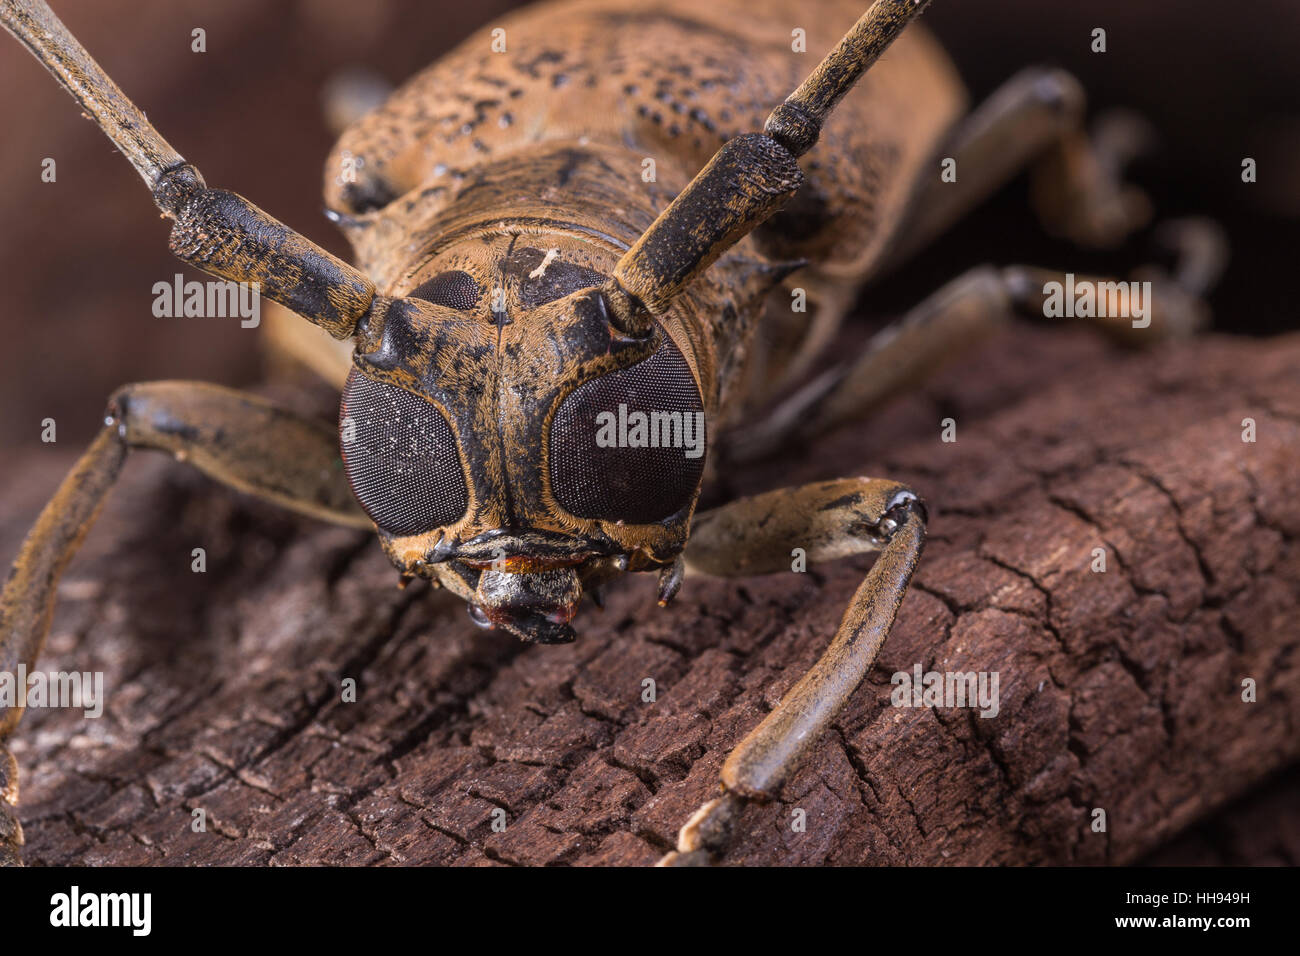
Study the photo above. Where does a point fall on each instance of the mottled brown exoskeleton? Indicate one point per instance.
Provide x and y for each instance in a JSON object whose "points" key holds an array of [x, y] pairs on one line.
{"points": [[520, 278]]}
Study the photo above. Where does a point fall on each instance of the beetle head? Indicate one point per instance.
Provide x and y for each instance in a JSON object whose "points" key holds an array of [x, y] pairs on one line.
{"points": [[508, 440]]}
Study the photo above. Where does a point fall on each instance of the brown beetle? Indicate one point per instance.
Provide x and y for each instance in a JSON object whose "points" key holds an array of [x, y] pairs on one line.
{"points": [[539, 331]]}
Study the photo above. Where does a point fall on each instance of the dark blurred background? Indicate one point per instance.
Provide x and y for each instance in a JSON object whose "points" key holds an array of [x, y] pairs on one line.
{"points": [[79, 257]]}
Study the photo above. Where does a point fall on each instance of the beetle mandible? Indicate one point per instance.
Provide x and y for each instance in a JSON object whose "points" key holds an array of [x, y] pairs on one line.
{"points": [[540, 338]]}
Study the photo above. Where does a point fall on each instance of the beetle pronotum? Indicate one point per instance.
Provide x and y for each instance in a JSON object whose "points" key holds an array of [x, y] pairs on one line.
{"points": [[530, 315]]}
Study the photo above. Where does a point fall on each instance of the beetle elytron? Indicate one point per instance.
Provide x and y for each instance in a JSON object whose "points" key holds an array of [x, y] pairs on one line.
{"points": [[519, 276]]}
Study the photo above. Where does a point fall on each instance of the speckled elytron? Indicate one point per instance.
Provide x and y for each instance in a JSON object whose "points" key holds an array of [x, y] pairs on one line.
{"points": [[570, 220]]}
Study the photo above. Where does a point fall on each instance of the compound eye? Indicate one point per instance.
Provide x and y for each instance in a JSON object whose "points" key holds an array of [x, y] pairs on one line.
{"points": [[401, 457], [630, 445], [455, 290]]}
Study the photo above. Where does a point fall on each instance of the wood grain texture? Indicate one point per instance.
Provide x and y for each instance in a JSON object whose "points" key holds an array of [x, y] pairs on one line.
{"points": [[1118, 690]]}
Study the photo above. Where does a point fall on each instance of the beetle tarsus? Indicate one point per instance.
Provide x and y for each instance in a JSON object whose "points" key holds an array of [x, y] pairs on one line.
{"points": [[670, 581], [704, 837]]}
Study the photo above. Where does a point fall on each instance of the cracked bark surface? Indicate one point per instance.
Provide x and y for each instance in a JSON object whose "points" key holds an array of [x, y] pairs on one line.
{"points": [[1119, 690]]}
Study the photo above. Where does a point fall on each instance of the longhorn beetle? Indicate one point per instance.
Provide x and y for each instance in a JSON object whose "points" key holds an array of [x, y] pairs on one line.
{"points": [[524, 288]]}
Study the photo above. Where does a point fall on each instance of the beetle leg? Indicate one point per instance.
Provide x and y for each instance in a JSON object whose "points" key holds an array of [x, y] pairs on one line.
{"points": [[1035, 120], [964, 313], [238, 439], [755, 535], [796, 341]]}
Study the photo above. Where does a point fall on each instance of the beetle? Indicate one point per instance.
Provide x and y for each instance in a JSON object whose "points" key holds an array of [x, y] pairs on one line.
{"points": [[539, 341]]}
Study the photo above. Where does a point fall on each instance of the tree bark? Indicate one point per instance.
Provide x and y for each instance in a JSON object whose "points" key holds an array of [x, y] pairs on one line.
{"points": [[1119, 690]]}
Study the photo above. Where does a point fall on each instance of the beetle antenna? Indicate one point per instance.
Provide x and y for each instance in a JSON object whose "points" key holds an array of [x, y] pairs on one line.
{"points": [[217, 231], [747, 180]]}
